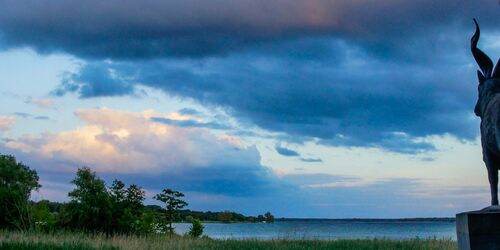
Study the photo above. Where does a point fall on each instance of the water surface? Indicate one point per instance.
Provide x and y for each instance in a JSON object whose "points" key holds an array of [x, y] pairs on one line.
{"points": [[328, 229]]}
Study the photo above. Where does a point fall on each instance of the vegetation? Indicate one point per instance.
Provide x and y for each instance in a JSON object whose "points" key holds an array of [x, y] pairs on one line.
{"points": [[196, 229], [20, 240], [173, 202], [93, 206], [114, 217], [223, 216], [269, 218], [16, 183]]}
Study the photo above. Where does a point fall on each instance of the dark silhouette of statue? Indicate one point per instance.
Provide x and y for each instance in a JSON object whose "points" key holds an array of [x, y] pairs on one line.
{"points": [[488, 109]]}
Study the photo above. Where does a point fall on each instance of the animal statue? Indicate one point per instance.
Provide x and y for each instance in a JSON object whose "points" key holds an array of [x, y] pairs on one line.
{"points": [[488, 109]]}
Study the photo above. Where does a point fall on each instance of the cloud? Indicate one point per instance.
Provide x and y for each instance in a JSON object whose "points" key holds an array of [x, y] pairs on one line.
{"points": [[43, 103], [193, 28], [310, 180], [311, 159], [36, 117], [241, 184], [285, 151], [129, 145], [6, 122], [292, 153], [95, 80], [357, 100], [346, 73], [189, 123], [189, 111]]}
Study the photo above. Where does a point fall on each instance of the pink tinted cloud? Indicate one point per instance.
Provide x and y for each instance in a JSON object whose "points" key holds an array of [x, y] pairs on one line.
{"points": [[128, 142]]}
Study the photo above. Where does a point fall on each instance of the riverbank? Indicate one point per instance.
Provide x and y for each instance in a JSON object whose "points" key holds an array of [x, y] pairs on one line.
{"points": [[78, 241]]}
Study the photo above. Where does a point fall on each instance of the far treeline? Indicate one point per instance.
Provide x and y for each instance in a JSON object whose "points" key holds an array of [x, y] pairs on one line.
{"points": [[96, 208]]}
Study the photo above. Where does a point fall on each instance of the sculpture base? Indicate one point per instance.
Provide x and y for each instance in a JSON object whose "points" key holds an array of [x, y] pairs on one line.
{"points": [[479, 230]]}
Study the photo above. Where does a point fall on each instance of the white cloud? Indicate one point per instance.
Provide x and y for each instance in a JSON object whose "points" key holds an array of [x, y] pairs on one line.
{"points": [[43, 103], [6, 122], [126, 142]]}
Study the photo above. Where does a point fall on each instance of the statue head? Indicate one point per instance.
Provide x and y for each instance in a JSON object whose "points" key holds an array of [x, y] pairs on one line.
{"points": [[489, 78]]}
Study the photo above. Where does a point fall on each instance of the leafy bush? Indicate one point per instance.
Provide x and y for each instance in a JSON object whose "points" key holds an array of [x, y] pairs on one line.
{"points": [[44, 220], [196, 229]]}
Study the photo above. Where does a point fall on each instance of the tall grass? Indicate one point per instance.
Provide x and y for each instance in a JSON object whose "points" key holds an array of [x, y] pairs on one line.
{"points": [[79, 241]]}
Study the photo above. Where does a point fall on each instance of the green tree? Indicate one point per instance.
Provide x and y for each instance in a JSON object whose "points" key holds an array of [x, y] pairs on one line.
{"points": [[196, 229], [126, 206], [90, 205], [225, 216], [261, 218], [269, 217], [16, 183], [44, 220], [173, 202]]}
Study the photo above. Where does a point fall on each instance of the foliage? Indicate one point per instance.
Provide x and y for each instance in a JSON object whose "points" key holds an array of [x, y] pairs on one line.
{"points": [[64, 241], [50, 246], [16, 183], [94, 207], [126, 206], [90, 208], [44, 220], [261, 218], [269, 217], [173, 202], [196, 229], [214, 216], [225, 217], [189, 218]]}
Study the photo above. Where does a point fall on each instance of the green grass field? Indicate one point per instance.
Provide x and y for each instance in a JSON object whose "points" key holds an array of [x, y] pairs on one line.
{"points": [[78, 241]]}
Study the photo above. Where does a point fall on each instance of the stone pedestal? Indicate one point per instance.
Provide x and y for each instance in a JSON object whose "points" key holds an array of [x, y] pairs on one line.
{"points": [[479, 230]]}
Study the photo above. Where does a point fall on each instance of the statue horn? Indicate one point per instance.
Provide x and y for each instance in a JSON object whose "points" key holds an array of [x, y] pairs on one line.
{"points": [[482, 59], [496, 71]]}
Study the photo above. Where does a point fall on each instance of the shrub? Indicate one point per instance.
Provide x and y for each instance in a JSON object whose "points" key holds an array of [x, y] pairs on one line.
{"points": [[196, 229]]}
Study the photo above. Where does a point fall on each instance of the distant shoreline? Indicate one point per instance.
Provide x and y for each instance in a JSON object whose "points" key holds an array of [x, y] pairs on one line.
{"points": [[430, 219], [425, 219]]}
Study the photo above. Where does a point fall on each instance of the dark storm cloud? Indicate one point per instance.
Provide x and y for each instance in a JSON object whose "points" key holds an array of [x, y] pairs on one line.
{"points": [[196, 28], [351, 73], [95, 80], [359, 100]]}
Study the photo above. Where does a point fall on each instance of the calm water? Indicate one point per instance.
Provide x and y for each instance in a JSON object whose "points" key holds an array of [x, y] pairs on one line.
{"points": [[327, 229]]}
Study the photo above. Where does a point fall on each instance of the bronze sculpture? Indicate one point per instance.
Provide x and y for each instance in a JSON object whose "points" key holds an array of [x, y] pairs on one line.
{"points": [[488, 109]]}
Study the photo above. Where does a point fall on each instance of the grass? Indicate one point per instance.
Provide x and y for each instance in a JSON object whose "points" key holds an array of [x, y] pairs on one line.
{"points": [[78, 241]]}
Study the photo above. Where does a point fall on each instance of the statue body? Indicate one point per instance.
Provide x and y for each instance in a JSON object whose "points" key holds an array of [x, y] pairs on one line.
{"points": [[490, 137], [488, 109]]}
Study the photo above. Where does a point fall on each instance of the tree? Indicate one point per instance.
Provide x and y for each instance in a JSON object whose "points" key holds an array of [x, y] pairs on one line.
{"points": [[225, 216], [196, 229], [126, 206], [44, 220], [173, 204], [16, 183], [269, 217], [261, 218], [90, 205]]}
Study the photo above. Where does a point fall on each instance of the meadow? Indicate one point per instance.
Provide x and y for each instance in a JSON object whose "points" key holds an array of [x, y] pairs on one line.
{"points": [[80, 241]]}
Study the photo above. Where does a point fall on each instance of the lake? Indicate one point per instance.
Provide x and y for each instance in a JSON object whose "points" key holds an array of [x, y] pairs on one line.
{"points": [[327, 229]]}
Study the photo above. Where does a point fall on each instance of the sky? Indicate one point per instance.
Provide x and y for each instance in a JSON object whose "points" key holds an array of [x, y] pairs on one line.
{"points": [[317, 109]]}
